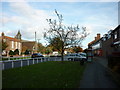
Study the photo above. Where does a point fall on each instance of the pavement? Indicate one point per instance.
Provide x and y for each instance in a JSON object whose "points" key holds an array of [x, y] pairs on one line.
{"points": [[97, 75]]}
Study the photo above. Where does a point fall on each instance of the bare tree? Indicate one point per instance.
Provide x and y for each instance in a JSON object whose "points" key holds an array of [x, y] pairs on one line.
{"points": [[69, 35]]}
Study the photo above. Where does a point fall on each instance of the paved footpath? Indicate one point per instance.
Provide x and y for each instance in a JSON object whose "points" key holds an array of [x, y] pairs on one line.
{"points": [[97, 76]]}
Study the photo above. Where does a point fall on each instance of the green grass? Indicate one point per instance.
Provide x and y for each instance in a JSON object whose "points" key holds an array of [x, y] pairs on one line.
{"points": [[44, 75]]}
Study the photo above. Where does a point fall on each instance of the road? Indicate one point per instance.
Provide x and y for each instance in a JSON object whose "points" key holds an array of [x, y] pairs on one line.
{"points": [[97, 76]]}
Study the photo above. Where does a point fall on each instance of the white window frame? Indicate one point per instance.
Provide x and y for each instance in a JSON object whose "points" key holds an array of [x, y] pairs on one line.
{"points": [[12, 44], [16, 45], [115, 35], [19, 45]]}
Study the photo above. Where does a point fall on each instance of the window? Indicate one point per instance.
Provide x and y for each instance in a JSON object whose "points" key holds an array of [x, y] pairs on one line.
{"points": [[12, 44], [109, 34], [16, 45], [96, 46], [104, 39], [19, 44], [4, 40], [115, 35]]}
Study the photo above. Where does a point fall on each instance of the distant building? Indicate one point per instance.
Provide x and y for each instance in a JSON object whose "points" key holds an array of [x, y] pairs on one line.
{"points": [[18, 43], [111, 42], [95, 45], [106, 45], [13, 44], [116, 38], [18, 36], [31, 46]]}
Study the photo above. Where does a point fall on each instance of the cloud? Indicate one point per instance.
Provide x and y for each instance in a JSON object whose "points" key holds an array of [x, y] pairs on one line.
{"points": [[24, 16], [27, 19], [59, 0]]}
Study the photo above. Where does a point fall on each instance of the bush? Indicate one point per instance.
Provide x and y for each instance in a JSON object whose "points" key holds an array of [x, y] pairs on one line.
{"points": [[16, 52], [27, 52], [11, 52]]}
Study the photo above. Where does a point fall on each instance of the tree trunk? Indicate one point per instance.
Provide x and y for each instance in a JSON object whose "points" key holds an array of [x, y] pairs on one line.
{"points": [[62, 56], [62, 53]]}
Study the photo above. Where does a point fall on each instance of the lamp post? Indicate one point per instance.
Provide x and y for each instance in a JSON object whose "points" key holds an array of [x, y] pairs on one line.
{"points": [[38, 45]]}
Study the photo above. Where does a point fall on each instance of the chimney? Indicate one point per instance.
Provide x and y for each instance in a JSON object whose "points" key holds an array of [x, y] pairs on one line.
{"points": [[98, 36], [95, 38], [2, 34]]}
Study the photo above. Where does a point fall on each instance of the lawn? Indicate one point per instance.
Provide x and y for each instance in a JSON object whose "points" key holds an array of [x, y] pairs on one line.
{"points": [[44, 75]]}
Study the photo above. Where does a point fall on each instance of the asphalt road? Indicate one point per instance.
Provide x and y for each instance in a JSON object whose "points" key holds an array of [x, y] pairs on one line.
{"points": [[97, 76]]}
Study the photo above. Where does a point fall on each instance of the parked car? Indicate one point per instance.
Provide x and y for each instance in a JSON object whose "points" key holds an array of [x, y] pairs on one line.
{"points": [[84, 56], [35, 55], [75, 57]]}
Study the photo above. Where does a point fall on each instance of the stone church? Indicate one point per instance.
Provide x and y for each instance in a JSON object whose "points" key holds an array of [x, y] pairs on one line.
{"points": [[18, 43]]}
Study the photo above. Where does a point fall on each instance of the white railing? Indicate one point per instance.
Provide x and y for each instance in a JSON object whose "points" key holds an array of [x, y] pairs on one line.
{"points": [[16, 57], [24, 62]]}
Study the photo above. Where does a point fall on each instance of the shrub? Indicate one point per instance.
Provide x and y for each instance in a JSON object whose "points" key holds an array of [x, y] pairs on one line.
{"points": [[16, 52], [27, 52], [11, 52]]}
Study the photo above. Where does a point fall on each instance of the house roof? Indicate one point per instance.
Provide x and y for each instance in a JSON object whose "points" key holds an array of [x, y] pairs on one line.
{"points": [[29, 44], [116, 28], [91, 42], [10, 38]]}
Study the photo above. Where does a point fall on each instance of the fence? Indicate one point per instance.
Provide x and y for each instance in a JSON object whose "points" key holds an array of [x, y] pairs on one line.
{"points": [[24, 62], [15, 58]]}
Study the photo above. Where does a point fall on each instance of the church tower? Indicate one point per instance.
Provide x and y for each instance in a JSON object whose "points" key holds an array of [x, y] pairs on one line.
{"points": [[2, 34], [18, 36]]}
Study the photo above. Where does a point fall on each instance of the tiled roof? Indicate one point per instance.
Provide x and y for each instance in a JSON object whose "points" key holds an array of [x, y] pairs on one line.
{"points": [[93, 41], [29, 45], [10, 38]]}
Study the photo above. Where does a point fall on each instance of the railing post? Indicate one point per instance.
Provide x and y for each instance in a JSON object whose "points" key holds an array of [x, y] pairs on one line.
{"points": [[21, 63], [28, 62], [12, 64], [9, 58], [37, 60], [41, 60], [44, 59], [3, 65], [33, 60]]}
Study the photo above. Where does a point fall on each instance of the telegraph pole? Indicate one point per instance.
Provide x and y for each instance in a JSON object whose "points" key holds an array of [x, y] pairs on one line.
{"points": [[35, 36], [36, 46], [38, 40]]}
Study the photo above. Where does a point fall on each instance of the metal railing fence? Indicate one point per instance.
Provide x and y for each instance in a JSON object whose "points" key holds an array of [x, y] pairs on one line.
{"points": [[7, 64]]}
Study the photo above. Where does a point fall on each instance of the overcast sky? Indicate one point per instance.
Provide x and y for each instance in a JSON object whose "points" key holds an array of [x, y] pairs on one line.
{"points": [[28, 17]]}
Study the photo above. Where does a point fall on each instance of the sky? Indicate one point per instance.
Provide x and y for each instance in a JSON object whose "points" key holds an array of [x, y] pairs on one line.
{"points": [[30, 16]]}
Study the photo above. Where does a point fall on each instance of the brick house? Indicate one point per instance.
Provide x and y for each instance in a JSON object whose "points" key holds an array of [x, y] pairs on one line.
{"points": [[13, 44], [95, 45], [31, 46], [111, 42], [116, 39], [18, 43], [108, 44]]}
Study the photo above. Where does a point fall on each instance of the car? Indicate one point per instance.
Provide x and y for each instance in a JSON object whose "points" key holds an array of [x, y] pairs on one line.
{"points": [[36, 55], [84, 56], [75, 57]]}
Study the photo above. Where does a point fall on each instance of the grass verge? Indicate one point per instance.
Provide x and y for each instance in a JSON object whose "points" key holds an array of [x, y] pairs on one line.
{"points": [[44, 75]]}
